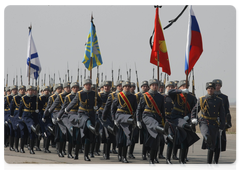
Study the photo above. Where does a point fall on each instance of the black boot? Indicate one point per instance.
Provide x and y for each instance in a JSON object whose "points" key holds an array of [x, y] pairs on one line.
{"points": [[155, 157], [216, 155], [104, 150], [144, 152], [16, 141], [124, 154], [37, 145], [111, 130], [76, 151], [169, 152], [51, 130], [86, 151], [80, 148], [1, 143], [107, 150], [22, 141], [182, 156], [35, 129], [160, 155], [97, 146], [209, 156], [174, 157], [92, 146], [120, 154], [60, 149], [152, 155], [11, 141], [70, 150], [64, 148], [47, 143], [114, 151], [31, 146], [186, 159], [130, 153]]}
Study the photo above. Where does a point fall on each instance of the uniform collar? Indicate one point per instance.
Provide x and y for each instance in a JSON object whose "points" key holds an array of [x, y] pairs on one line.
{"points": [[126, 93], [73, 93], [86, 90], [218, 92], [209, 96], [30, 95], [152, 91], [20, 94], [106, 92]]}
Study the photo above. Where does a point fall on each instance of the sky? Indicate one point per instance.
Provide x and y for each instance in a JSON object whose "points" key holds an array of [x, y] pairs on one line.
{"points": [[60, 34]]}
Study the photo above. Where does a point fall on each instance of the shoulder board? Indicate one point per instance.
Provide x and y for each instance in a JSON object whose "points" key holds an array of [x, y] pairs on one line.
{"points": [[68, 94], [52, 95], [137, 93], [219, 97]]}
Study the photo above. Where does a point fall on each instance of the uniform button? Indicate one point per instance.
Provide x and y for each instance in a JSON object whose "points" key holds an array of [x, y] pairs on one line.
{"points": [[214, 112], [213, 124], [214, 106]]}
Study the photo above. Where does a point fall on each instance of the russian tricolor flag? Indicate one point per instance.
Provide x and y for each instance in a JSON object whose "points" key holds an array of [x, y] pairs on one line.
{"points": [[194, 46]]}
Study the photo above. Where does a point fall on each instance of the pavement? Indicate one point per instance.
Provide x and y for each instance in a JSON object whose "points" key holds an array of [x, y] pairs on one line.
{"points": [[195, 155]]}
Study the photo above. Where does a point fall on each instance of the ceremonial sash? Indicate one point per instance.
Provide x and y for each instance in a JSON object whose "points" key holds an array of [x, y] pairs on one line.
{"points": [[125, 99], [155, 106], [184, 99]]}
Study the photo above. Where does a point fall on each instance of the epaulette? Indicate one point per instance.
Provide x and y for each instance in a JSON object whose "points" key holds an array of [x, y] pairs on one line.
{"points": [[219, 97], [137, 93]]}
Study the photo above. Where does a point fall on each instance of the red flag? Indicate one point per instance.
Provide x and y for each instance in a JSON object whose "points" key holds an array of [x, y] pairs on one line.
{"points": [[160, 45]]}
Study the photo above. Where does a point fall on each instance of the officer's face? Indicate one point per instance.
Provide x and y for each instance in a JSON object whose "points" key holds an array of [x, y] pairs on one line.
{"points": [[161, 88], [67, 89], [218, 87], [169, 88], [144, 88], [46, 92], [22, 91], [14, 91], [119, 87], [132, 88], [106, 88], [126, 88], [210, 90], [30, 92], [87, 86], [154, 87], [59, 90], [75, 89]]}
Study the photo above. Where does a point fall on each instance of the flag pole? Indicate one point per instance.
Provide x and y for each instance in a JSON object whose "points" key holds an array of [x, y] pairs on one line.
{"points": [[158, 65], [30, 28], [91, 69], [186, 94]]}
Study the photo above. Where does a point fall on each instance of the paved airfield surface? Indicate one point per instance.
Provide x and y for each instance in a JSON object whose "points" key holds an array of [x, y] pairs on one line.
{"points": [[197, 159]]}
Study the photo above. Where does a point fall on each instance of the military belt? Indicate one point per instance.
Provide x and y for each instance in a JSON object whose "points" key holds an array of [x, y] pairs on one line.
{"points": [[210, 118], [180, 110], [6, 109], [148, 110], [124, 111], [57, 109], [73, 110], [87, 110], [27, 110], [168, 113]]}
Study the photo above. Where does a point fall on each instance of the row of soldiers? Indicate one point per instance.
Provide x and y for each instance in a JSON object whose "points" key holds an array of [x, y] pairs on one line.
{"points": [[157, 115]]}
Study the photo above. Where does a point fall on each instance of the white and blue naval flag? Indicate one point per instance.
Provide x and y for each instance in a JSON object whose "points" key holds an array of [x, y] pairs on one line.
{"points": [[32, 56]]}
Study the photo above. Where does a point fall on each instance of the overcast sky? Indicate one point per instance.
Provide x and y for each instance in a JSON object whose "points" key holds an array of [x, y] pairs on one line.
{"points": [[60, 33]]}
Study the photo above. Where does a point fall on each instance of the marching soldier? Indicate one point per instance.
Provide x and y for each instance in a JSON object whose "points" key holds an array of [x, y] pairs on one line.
{"points": [[161, 87], [151, 108], [8, 90], [122, 110], [211, 121], [61, 129], [133, 87], [86, 101], [43, 100], [143, 132], [186, 137], [18, 126], [70, 120], [176, 84], [108, 136], [28, 112], [106, 114], [9, 131], [228, 123]]}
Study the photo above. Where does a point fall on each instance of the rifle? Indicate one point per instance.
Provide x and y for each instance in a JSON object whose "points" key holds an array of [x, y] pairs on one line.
{"points": [[137, 78], [78, 73], [44, 79], [13, 81], [165, 78], [59, 77], [130, 74], [193, 85], [71, 78], [127, 71], [118, 73], [49, 81], [53, 80], [21, 76], [16, 78], [68, 72], [84, 73], [81, 77], [112, 77], [102, 77], [65, 77], [153, 72], [7, 81]]}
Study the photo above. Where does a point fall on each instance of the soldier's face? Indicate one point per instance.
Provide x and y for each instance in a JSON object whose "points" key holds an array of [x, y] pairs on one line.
{"points": [[46, 92], [102, 89], [5, 93], [210, 90], [14, 91], [154, 87], [119, 87], [182, 87], [161, 89], [75, 89], [59, 90], [132, 88], [67, 89], [106, 88], [87, 86], [126, 88], [8, 92], [144, 88], [218, 87], [22, 91], [169, 88], [30, 92]]}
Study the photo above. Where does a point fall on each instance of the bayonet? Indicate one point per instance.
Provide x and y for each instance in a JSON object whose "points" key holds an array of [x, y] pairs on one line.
{"points": [[137, 78], [59, 77], [68, 72]]}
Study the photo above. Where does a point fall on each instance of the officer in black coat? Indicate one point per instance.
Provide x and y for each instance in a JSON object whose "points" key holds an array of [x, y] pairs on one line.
{"points": [[228, 123], [151, 108], [86, 110], [18, 126], [143, 132], [211, 121], [71, 121], [106, 114], [122, 110], [183, 134]]}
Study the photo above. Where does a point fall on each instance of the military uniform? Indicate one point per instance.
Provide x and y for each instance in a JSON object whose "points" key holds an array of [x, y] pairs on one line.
{"points": [[152, 118], [86, 102], [123, 113], [212, 119]]}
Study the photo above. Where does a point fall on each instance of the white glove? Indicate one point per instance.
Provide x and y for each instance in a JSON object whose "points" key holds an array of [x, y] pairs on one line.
{"points": [[194, 121], [58, 119], [185, 91], [44, 120], [37, 111], [115, 122], [139, 125], [186, 118], [220, 131], [95, 107], [19, 117], [11, 116], [65, 110], [54, 121]]}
